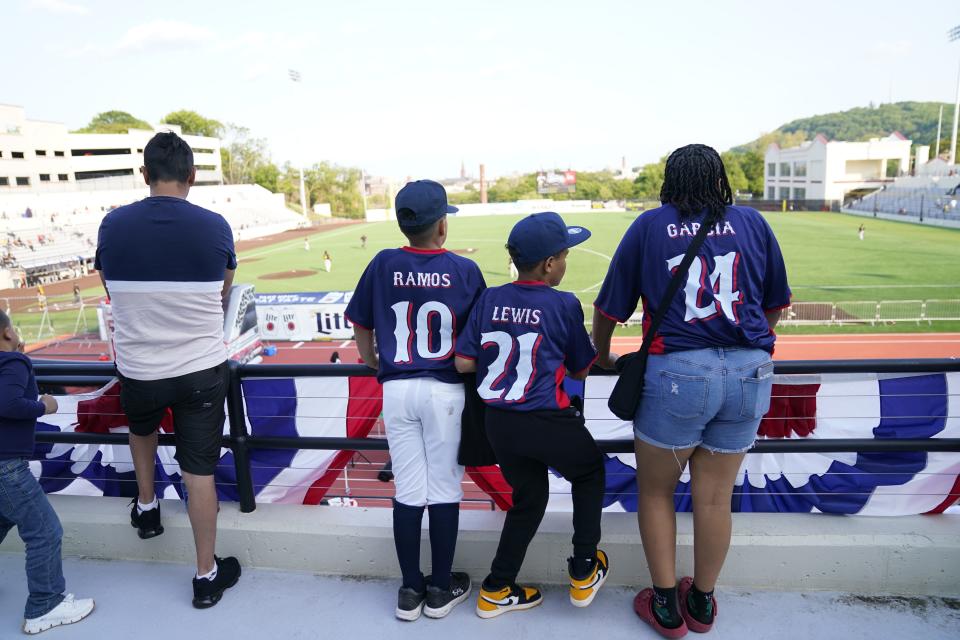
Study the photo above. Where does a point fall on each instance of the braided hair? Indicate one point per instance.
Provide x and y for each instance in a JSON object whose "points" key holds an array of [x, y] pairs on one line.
{"points": [[695, 179]]}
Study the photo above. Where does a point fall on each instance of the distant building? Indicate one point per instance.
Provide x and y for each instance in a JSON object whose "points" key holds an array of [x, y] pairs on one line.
{"points": [[463, 182], [381, 187], [37, 155], [623, 172], [830, 170]]}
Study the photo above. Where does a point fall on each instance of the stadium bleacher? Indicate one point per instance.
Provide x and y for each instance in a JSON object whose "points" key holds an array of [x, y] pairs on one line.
{"points": [[927, 196], [53, 236]]}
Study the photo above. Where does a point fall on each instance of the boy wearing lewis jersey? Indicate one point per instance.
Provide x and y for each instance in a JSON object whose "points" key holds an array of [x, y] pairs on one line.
{"points": [[415, 300], [523, 339]]}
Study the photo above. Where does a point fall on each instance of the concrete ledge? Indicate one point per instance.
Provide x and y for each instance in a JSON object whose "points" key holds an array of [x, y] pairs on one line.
{"points": [[905, 555]]}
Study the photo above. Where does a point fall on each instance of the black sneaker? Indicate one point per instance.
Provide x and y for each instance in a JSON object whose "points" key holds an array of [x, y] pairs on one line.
{"points": [[440, 602], [207, 593], [147, 523], [410, 603]]}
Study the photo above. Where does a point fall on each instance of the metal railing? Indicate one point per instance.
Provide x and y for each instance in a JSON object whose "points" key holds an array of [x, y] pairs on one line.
{"points": [[240, 442], [859, 312]]}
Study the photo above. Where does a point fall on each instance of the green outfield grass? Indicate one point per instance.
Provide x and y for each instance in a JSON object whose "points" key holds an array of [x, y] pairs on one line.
{"points": [[825, 260]]}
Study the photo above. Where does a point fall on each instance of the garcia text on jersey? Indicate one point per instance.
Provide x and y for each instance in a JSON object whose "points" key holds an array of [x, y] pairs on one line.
{"points": [[690, 230]]}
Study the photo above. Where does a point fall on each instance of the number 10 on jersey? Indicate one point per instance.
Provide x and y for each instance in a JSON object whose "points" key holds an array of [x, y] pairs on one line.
{"points": [[434, 324]]}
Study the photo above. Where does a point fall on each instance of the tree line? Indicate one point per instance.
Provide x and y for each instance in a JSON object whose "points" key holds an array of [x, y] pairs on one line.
{"points": [[246, 158]]}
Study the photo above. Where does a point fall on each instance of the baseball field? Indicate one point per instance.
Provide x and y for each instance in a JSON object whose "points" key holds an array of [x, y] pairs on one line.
{"points": [[825, 259]]}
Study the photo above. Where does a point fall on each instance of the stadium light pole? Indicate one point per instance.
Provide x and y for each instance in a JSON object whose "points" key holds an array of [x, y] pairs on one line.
{"points": [[295, 77], [936, 152], [954, 35]]}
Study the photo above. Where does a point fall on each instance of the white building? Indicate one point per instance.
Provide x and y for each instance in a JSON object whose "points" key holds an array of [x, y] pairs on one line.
{"points": [[36, 155], [829, 170]]}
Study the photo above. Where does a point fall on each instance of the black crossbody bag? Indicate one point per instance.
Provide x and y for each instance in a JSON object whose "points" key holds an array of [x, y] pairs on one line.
{"points": [[625, 397]]}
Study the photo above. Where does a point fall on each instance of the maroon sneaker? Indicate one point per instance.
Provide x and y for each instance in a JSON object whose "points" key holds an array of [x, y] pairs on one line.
{"points": [[693, 624], [643, 606]]}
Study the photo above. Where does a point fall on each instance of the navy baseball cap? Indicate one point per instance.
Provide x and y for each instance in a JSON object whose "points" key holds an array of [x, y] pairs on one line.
{"points": [[541, 235], [426, 199]]}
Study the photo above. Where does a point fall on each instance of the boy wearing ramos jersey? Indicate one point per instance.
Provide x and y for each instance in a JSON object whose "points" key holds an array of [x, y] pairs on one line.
{"points": [[523, 339], [415, 300]]}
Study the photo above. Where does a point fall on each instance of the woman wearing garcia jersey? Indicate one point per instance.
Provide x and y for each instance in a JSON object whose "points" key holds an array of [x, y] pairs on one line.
{"points": [[709, 372]]}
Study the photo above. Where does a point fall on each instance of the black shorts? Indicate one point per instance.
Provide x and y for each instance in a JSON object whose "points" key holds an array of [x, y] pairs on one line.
{"points": [[197, 403]]}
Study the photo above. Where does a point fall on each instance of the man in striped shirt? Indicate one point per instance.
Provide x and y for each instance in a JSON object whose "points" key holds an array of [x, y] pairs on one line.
{"points": [[167, 266]]}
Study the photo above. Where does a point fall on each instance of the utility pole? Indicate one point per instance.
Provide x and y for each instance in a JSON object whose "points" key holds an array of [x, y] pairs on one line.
{"points": [[936, 152], [483, 184], [295, 77], [363, 193], [954, 36]]}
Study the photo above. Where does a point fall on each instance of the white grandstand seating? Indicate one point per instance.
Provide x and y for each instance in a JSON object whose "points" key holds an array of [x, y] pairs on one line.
{"points": [[69, 221], [933, 196]]}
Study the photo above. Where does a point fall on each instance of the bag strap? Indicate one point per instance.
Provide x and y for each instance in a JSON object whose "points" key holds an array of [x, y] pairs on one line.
{"points": [[674, 286]]}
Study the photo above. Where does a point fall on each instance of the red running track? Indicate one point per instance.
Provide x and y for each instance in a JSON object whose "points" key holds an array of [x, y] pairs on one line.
{"points": [[789, 347]]}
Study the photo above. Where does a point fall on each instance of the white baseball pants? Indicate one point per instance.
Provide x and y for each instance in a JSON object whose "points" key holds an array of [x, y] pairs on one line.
{"points": [[422, 417]]}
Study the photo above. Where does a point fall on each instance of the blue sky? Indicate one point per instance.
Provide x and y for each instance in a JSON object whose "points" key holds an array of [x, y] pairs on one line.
{"points": [[412, 88]]}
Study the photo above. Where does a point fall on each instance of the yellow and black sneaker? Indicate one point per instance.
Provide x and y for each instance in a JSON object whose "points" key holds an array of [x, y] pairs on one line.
{"points": [[492, 603], [583, 591]]}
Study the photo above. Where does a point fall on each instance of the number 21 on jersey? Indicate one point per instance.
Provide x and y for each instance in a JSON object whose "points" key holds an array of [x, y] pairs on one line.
{"points": [[525, 346], [434, 324]]}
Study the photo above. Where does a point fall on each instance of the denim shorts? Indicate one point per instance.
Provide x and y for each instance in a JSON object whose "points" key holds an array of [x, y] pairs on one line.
{"points": [[711, 398]]}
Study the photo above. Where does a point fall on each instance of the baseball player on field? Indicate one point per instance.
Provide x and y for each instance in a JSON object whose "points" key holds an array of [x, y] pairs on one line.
{"points": [[523, 339], [415, 300]]}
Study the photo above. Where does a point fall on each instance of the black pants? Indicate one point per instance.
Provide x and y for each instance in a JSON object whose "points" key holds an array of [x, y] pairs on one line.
{"points": [[526, 444]]}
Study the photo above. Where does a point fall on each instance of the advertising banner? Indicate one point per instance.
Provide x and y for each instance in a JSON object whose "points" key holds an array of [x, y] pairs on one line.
{"points": [[556, 182], [304, 316]]}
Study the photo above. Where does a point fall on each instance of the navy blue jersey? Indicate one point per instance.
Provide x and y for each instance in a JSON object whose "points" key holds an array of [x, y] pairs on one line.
{"points": [[738, 275], [416, 301], [524, 337]]}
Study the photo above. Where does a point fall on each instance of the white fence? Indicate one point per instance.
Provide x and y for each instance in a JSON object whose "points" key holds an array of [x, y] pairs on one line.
{"points": [[871, 312], [861, 312]]}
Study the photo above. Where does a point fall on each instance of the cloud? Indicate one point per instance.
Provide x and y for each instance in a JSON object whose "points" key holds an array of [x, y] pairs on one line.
{"points": [[354, 28], [257, 71], [270, 42], [244, 41], [497, 70], [488, 34], [162, 34], [254, 54], [58, 6], [149, 36], [893, 49]]}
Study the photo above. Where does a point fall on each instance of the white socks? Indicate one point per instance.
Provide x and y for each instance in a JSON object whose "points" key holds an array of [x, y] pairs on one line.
{"points": [[209, 576], [147, 507]]}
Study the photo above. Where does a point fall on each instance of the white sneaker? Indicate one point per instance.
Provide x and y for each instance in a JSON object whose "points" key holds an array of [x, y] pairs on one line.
{"points": [[67, 612]]}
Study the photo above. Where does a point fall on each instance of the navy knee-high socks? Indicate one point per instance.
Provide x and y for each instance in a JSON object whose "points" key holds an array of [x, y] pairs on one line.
{"points": [[406, 537], [444, 524]]}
